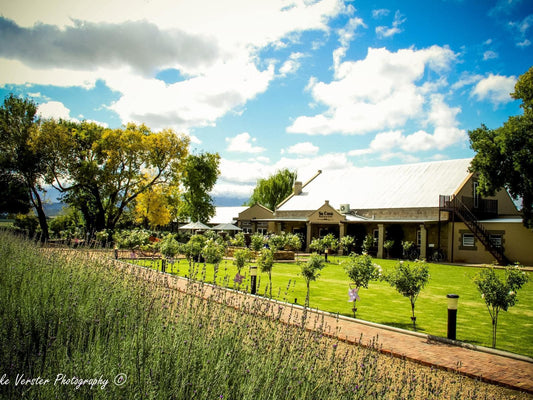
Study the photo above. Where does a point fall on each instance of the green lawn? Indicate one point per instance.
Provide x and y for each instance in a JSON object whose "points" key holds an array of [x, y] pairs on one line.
{"points": [[382, 304]]}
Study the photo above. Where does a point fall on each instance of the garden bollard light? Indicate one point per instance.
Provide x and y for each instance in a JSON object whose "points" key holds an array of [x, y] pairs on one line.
{"points": [[163, 265], [253, 278], [116, 253], [453, 299]]}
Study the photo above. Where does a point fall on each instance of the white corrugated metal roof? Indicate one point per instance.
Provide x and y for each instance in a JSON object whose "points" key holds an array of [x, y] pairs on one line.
{"points": [[397, 186], [226, 215]]}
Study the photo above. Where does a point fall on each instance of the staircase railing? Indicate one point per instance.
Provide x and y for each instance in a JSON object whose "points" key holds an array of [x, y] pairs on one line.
{"points": [[453, 204]]}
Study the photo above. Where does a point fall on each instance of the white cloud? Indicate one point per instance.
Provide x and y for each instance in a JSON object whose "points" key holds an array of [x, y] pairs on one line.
{"points": [[292, 64], [54, 109], [204, 41], [466, 80], [521, 29], [386, 32], [382, 12], [377, 93], [440, 116], [243, 143], [489, 55], [495, 88], [304, 148], [240, 177]]}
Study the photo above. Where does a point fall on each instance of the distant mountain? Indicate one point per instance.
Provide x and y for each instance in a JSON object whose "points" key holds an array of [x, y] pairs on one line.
{"points": [[53, 209], [229, 201]]}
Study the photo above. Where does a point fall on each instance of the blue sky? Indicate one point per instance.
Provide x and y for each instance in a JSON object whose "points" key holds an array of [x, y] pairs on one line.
{"points": [[274, 84]]}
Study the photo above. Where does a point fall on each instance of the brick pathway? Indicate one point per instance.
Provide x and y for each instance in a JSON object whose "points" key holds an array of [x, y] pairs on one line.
{"points": [[496, 367]]}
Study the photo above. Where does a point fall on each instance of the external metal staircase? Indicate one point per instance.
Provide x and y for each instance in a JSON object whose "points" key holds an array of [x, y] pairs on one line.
{"points": [[455, 205]]}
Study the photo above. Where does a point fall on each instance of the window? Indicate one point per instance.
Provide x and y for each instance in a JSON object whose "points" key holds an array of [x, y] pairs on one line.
{"points": [[246, 230], [262, 231], [496, 240], [468, 240], [419, 238], [376, 237]]}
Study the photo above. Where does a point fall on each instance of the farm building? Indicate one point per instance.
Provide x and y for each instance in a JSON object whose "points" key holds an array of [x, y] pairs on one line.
{"points": [[435, 205]]}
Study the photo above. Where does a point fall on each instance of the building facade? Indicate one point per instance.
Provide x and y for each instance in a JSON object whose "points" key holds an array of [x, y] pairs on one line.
{"points": [[435, 205]]}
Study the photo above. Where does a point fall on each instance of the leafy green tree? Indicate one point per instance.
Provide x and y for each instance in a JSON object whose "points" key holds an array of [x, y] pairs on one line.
{"points": [[311, 271], [499, 294], [409, 281], [15, 198], [504, 156], [361, 270], [102, 171], [273, 190], [20, 158], [200, 175], [277, 242], [266, 262]]}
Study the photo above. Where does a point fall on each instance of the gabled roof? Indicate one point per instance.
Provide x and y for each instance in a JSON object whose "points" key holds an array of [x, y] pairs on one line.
{"points": [[399, 186]]}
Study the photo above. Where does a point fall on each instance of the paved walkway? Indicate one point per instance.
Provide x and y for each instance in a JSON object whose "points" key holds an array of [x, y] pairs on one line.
{"points": [[492, 366]]}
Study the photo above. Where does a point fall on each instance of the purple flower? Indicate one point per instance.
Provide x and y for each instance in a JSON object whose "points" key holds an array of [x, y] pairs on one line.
{"points": [[238, 278], [353, 294]]}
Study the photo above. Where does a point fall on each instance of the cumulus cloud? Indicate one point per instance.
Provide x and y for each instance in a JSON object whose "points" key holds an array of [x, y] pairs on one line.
{"points": [[304, 148], [377, 93], [54, 109], [243, 143], [386, 32], [125, 42], [87, 46], [495, 88], [441, 117]]}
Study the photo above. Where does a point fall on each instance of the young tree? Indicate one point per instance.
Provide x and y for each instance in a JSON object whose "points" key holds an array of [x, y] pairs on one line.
{"points": [[213, 253], [504, 157], [311, 271], [409, 281], [499, 294], [266, 262], [241, 258], [346, 243], [20, 159], [273, 190], [361, 270], [199, 178]]}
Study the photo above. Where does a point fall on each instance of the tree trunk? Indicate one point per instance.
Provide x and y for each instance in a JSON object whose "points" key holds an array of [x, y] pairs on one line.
{"points": [[38, 205], [307, 296]]}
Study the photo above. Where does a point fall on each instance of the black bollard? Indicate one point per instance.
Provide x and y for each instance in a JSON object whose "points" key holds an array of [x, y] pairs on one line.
{"points": [[453, 299]]}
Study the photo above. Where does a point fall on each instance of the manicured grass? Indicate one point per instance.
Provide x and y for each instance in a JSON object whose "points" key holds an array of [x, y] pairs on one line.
{"points": [[113, 332], [382, 304]]}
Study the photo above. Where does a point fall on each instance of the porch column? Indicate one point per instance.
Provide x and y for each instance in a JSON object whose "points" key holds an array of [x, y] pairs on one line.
{"points": [[342, 232], [381, 239], [423, 242], [308, 236]]}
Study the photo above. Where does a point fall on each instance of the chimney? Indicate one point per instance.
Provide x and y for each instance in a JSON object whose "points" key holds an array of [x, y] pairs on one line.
{"points": [[297, 188]]}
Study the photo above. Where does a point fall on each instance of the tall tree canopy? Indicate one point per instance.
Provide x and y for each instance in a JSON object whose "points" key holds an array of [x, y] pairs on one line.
{"points": [[504, 156], [21, 161], [273, 190], [102, 171], [199, 178]]}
